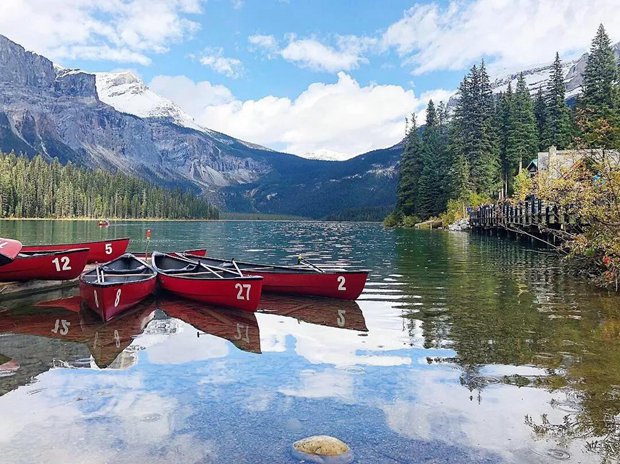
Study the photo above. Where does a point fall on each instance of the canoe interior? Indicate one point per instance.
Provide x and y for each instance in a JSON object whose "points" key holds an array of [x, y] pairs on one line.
{"points": [[173, 265], [127, 268], [276, 269]]}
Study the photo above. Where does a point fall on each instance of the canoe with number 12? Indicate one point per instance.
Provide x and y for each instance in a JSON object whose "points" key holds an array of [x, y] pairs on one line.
{"points": [[45, 265]]}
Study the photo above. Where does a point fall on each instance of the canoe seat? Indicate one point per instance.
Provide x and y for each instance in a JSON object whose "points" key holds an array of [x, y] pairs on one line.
{"points": [[137, 270]]}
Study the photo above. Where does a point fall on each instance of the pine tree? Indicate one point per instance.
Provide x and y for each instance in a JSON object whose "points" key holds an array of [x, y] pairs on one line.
{"points": [[598, 115], [431, 190], [558, 128], [410, 168], [600, 74], [475, 136], [540, 112]]}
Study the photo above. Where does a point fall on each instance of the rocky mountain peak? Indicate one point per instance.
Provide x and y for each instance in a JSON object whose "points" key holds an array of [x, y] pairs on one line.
{"points": [[24, 68]]}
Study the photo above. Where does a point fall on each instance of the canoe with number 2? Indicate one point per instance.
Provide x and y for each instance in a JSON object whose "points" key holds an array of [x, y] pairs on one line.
{"points": [[100, 251], [192, 280], [302, 279], [45, 265], [118, 285]]}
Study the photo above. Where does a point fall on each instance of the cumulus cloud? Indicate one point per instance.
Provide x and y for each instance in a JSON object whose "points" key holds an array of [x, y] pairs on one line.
{"points": [[116, 30], [343, 117], [215, 60], [346, 54], [438, 36]]}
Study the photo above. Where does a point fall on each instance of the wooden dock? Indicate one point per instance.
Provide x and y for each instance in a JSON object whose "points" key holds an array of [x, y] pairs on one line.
{"points": [[534, 218], [11, 290]]}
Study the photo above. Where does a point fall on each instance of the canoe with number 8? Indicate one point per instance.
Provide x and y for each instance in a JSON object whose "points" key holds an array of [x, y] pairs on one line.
{"points": [[45, 265], [118, 285]]}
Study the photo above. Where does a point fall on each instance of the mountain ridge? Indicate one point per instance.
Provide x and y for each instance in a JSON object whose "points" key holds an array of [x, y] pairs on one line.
{"points": [[58, 113]]}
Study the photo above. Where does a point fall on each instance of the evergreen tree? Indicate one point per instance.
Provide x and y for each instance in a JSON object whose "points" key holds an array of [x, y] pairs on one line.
{"points": [[410, 168], [475, 136], [598, 115], [540, 112], [600, 74], [558, 128], [431, 192]]}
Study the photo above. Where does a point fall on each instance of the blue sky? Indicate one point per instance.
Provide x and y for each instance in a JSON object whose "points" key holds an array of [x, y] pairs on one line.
{"points": [[305, 76]]}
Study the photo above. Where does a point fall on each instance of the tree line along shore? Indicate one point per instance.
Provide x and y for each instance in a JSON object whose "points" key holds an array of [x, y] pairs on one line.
{"points": [[477, 154]]}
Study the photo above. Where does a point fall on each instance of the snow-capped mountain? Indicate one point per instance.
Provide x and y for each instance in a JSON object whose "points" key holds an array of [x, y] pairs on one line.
{"points": [[128, 94], [114, 122], [326, 155]]}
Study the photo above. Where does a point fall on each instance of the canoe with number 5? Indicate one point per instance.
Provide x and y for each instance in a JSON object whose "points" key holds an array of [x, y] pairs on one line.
{"points": [[100, 251], [45, 265], [302, 279], [118, 285], [207, 284]]}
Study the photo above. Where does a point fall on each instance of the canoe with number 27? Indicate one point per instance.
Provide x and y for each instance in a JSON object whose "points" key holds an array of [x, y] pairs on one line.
{"points": [[45, 265], [302, 279], [192, 280], [118, 285], [100, 251]]}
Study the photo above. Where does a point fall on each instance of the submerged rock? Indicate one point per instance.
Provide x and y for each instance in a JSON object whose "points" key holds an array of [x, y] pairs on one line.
{"points": [[322, 449]]}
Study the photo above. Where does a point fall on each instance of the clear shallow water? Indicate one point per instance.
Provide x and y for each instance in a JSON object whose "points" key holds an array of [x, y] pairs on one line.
{"points": [[461, 349]]}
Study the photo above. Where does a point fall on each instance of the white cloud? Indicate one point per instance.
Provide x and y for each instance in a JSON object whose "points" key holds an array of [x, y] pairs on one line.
{"points": [[230, 67], [312, 54], [347, 53], [343, 117], [115, 30], [512, 33], [264, 42]]}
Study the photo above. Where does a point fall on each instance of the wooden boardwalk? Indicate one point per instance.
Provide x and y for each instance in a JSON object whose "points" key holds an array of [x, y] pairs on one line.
{"points": [[535, 218]]}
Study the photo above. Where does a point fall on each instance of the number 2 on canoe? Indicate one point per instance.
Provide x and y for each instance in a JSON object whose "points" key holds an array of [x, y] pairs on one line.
{"points": [[240, 288], [108, 248], [341, 282], [62, 264]]}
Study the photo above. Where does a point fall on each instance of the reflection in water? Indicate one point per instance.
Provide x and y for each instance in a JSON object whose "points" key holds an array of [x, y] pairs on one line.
{"points": [[236, 326], [322, 311], [461, 349]]}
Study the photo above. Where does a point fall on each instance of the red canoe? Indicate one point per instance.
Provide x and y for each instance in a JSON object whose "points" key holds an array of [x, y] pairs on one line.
{"points": [[100, 251], [114, 287], [303, 279], [195, 281], [45, 265], [9, 249]]}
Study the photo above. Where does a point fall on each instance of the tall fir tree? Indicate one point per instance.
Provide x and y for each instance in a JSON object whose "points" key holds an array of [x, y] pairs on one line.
{"points": [[540, 112], [475, 136], [410, 168], [600, 74], [598, 115], [431, 191], [558, 130]]}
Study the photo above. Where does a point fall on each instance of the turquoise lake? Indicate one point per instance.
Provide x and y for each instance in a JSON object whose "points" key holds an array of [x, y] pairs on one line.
{"points": [[461, 349]]}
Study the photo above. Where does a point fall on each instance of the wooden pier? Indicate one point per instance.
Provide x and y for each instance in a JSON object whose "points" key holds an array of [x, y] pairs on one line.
{"points": [[535, 218], [11, 290]]}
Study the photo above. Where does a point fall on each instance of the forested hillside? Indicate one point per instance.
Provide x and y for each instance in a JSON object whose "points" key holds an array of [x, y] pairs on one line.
{"points": [[35, 188], [475, 153]]}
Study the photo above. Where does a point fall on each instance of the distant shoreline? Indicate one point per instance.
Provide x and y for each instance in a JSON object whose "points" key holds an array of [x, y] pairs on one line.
{"points": [[113, 221]]}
